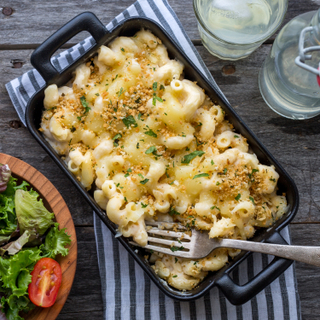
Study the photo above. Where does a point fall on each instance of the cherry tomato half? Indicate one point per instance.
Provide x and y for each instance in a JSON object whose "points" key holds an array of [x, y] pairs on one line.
{"points": [[45, 283]]}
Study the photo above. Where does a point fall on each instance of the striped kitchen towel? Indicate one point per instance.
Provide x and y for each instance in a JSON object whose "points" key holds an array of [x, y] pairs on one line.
{"points": [[127, 293]]}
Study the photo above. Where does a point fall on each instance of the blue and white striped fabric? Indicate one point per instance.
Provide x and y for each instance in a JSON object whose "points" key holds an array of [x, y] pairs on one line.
{"points": [[128, 294]]}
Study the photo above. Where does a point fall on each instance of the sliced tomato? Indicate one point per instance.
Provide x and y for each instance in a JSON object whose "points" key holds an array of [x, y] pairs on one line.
{"points": [[45, 283]]}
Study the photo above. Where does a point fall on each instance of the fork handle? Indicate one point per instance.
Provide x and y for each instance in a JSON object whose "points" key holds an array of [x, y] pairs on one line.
{"points": [[307, 254]]}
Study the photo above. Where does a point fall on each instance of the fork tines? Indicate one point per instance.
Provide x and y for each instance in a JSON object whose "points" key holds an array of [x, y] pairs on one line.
{"points": [[167, 241]]}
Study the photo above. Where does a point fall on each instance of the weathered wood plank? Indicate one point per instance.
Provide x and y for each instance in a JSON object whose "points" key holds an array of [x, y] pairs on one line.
{"points": [[84, 300], [25, 27]]}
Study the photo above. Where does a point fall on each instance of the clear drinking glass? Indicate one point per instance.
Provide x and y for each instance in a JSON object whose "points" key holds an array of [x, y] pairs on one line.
{"points": [[288, 89], [233, 29]]}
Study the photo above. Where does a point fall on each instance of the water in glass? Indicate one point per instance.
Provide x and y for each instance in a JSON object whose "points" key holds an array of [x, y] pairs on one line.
{"points": [[232, 29]]}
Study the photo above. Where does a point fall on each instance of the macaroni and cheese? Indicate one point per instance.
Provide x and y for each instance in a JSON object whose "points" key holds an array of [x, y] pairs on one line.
{"points": [[157, 148]]}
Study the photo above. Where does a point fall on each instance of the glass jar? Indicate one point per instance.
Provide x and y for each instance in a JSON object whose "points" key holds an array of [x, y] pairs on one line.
{"points": [[288, 89], [233, 29]]}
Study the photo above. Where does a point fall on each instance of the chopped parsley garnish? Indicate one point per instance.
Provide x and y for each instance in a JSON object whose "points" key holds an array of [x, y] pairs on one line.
{"points": [[252, 200], [151, 133], [212, 163], [117, 136], [115, 78], [129, 120], [272, 179], [154, 86], [144, 181], [173, 212], [199, 143], [127, 174], [187, 158], [252, 172], [85, 104], [175, 260], [218, 183], [125, 199], [225, 171], [120, 92], [97, 94], [162, 87], [235, 136], [155, 98], [153, 150], [174, 276], [200, 175], [122, 49], [138, 101], [215, 207], [72, 129], [137, 146], [143, 205], [79, 118], [238, 197], [174, 248]]}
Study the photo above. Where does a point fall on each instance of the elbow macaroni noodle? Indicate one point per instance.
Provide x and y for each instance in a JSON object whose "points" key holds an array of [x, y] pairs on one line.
{"points": [[157, 148]]}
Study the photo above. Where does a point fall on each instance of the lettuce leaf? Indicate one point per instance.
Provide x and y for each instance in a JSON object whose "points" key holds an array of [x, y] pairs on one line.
{"points": [[10, 268], [15, 246], [14, 304], [5, 174], [10, 191], [15, 278], [21, 213], [31, 213], [55, 242], [3, 240], [8, 221]]}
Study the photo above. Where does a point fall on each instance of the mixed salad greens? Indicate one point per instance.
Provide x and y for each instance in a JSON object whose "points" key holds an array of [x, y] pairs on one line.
{"points": [[28, 234]]}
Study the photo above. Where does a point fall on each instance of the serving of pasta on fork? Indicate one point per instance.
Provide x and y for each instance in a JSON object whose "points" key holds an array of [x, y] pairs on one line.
{"points": [[155, 147]]}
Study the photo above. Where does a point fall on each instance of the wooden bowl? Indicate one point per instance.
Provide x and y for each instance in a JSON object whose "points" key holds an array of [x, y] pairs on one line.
{"points": [[54, 203]]}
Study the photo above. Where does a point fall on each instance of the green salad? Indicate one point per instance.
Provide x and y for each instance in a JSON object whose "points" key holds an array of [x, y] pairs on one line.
{"points": [[28, 233]]}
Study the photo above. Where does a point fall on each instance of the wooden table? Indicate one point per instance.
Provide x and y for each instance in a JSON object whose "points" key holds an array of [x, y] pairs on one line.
{"points": [[24, 24]]}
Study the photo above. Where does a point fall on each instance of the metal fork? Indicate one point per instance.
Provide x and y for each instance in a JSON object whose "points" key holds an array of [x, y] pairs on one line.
{"points": [[162, 238]]}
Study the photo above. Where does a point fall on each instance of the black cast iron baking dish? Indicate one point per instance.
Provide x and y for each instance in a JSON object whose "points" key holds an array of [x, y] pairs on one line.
{"points": [[89, 22]]}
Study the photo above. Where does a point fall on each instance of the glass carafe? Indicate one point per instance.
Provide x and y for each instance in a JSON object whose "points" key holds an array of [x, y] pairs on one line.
{"points": [[288, 89]]}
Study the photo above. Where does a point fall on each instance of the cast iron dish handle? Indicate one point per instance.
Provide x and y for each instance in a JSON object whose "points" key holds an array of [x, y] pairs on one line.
{"points": [[40, 58], [237, 294]]}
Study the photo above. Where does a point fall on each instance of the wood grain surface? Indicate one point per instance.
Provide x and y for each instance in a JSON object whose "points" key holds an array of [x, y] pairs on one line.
{"points": [[294, 144], [54, 203]]}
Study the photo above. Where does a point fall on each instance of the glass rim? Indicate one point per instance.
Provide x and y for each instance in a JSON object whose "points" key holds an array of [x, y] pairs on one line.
{"points": [[262, 39]]}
